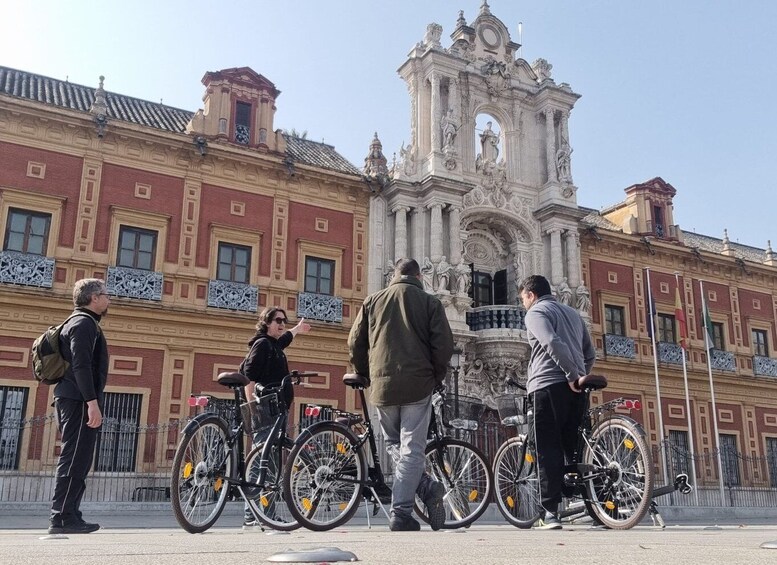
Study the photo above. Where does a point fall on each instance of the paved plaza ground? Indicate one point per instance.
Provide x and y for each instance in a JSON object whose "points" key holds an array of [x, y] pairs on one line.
{"points": [[153, 537]]}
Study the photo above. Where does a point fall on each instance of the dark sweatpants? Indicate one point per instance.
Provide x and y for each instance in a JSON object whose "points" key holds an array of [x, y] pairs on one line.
{"points": [[557, 414], [75, 459]]}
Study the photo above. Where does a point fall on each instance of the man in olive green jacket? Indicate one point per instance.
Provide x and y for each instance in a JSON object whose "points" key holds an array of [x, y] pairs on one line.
{"points": [[402, 342]]}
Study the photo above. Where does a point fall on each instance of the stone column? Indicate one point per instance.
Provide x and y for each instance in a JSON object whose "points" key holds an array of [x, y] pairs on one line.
{"points": [[435, 242], [556, 263], [454, 227], [400, 232], [419, 221], [550, 145], [573, 259], [435, 112]]}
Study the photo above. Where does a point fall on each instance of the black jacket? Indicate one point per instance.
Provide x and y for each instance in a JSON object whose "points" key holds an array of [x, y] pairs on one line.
{"points": [[84, 347], [266, 362]]}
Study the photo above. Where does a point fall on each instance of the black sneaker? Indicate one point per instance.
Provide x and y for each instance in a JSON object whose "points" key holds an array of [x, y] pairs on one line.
{"points": [[250, 522], [549, 522], [403, 523], [73, 528], [435, 508]]}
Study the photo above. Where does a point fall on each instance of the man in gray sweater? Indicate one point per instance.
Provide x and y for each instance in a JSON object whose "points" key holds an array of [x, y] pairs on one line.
{"points": [[561, 353]]}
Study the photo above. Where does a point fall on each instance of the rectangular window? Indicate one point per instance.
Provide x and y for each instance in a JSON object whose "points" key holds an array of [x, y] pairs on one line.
{"points": [[729, 459], [243, 123], [482, 289], [717, 336], [234, 263], [13, 403], [117, 440], [771, 457], [27, 231], [679, 454], [319, 275], [613, 320], [666, 328], [137, 248], [760, 346]]}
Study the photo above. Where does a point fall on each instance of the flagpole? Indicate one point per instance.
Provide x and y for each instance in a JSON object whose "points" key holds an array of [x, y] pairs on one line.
{"points": [[712, 393], [688, 398], [651, 308]]}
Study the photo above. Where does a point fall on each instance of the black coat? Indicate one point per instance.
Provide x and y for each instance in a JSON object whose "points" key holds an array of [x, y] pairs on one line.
{"points": [[82, 345], [266, 362]]}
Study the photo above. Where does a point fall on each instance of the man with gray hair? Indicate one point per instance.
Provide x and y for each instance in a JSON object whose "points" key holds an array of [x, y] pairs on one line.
{"points": [[78, 401], [401, 340]]}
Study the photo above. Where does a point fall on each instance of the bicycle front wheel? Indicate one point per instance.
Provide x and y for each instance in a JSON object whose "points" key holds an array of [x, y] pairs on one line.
{"points": [[269, 498], [324, 476], [620, 487], [198, 489], [464, 472], [517, 483]]}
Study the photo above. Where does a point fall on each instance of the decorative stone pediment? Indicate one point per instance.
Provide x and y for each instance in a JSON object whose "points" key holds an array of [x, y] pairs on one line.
{"points": [[241, 76]]}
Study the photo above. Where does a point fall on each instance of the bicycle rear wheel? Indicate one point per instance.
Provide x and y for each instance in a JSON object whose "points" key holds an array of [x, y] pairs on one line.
{"points": [[198, 490], [621, 487], [270, 499], [464, 472], [324, 476], [517, 483]]}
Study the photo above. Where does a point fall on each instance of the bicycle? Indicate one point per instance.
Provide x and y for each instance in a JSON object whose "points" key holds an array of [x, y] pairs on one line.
{"points": [[328, 471], [458, 465], [209, 466], [613, 476]]}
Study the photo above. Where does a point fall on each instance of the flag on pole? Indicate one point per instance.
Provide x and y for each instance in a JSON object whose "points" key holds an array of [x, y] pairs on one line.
{"points": [[679, 314], [708, 330]]}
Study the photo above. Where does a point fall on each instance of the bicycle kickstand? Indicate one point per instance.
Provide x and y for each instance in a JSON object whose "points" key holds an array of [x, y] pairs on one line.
{"points": [[655, 516]]}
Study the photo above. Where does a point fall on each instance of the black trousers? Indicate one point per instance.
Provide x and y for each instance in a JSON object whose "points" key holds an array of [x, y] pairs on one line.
{"points": [[75, 459], [557, 414]]}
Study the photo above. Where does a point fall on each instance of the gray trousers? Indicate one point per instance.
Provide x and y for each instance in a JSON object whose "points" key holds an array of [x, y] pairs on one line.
{"points": [[405, 430]]}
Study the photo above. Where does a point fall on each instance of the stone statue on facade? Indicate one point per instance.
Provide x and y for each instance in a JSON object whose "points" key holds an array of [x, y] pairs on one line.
{"points": [[388, 274], [427, 274], [444, 270], [433, 35], [583, 299], [564, 292], [407, 155], [489, 143], [449, 128], [563, 162], [542, 69], [463, 278]]}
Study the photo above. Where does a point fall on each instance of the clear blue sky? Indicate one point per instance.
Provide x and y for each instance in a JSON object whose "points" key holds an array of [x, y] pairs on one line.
{"points": [[678, 89]]}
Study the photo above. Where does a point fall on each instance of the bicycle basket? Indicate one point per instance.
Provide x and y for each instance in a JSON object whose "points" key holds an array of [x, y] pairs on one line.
{"points": [[260, 414], [512, 408], [462, 412]]}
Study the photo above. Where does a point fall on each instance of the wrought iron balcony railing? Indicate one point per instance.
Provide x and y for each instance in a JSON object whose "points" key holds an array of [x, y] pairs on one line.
{"points": [[498, 316], [26, 269], [323, 307], [134, 283], [619, 346], [232, 295], [722, 360], [670, 353], [764, 366]]}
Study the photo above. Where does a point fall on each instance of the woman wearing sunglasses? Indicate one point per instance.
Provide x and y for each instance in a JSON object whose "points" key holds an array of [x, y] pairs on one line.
{"points": [[265, 364]]}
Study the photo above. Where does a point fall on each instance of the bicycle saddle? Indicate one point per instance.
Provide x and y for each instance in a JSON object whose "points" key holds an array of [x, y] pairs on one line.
{"points": [[594, 382], [354, 380], [233, 379]]}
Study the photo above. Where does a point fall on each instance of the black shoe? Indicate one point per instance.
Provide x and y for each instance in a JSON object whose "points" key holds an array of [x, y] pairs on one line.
{"points": [[549, 522], [73, 528], [403, 523], [434, 505]]}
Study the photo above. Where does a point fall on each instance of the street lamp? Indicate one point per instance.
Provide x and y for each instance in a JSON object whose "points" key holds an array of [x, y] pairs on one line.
{"points": [[455, 363]]}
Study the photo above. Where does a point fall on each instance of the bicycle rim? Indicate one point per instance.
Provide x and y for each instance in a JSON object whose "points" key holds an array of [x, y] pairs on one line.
{"points": [[620, 497], [324, 477], [270, 499], [464, 472], [198, 489], [517, 484]]}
